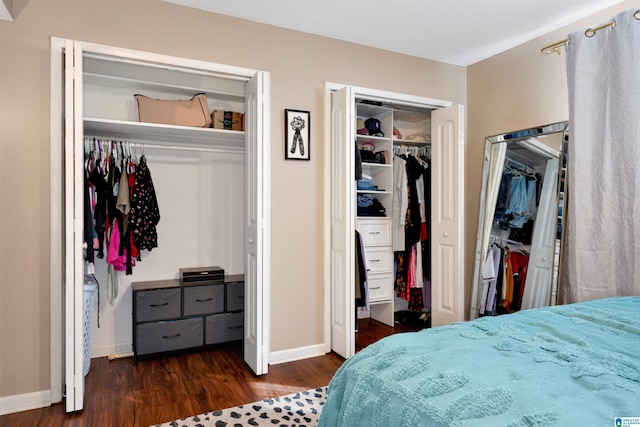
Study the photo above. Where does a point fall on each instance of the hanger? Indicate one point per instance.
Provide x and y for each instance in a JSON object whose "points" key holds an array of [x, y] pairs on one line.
{"points": [[514, 171], [423, 163]]}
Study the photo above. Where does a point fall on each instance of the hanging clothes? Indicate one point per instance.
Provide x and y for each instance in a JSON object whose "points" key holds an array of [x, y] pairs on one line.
{"points": [[400, 202], [413, 218], [105, 205], [504, 276], [494, 258], [110, 200], [413, 262], [145, 213], [425, 230], [88, 222], [361, 269]]}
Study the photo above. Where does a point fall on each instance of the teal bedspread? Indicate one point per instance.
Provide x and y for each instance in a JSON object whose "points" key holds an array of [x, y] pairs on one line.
{"points": [[571, 365]]}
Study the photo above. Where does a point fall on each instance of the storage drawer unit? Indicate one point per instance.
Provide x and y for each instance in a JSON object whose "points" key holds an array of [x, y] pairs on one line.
{"points": [[380, 287], [379, 259], [235, 296], [224, 327], [376, 238], [375, 232], [158, 304], [170, 316], [205, 299], [168, 335]]}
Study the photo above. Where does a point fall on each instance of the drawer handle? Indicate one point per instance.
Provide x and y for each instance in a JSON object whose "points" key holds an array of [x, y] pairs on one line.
{"points": [[374, 232], [377, 287], [167, 337], [204, 300], [159, 305], [234, 327], [374, 260]]}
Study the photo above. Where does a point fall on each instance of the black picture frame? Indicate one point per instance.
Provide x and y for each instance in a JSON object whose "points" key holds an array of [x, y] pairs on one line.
{"points": [[297, 135]]}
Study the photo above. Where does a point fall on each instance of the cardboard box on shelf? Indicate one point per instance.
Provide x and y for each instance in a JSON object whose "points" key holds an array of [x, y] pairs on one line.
{"points": [[229, 120]]}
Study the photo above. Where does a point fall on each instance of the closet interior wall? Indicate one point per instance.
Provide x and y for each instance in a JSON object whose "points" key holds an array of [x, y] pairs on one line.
{"points": [[200, 190]]}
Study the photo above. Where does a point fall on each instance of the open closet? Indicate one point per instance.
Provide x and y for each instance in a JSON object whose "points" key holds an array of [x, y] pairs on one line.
{"points": [[211, 188], [370, 131]]}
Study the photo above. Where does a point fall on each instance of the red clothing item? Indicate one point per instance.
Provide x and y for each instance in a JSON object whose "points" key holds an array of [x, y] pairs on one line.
{"points": [[520, 264], [423, 231]]}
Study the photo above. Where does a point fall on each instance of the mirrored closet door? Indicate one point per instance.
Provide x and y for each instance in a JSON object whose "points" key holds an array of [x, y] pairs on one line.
{"points": [[518, 247]]}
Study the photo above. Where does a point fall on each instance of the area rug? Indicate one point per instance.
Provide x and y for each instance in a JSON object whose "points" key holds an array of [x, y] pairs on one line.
{"points": [[300, 409]]}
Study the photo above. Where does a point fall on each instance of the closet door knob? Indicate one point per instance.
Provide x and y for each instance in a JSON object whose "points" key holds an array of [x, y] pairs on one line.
{"points": [[250, 240], [445, 234], [544, 259]]}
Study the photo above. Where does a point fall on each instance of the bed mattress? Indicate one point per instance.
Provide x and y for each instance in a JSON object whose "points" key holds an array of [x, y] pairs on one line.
{"points": [[570, 365]]}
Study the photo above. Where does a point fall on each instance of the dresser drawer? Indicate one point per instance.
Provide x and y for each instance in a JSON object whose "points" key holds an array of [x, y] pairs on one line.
{"points": [[204, 299], [380, 287], [157, 337], [235, 296], [157, 304], [375, 232], [379, 259], [224, 327]]}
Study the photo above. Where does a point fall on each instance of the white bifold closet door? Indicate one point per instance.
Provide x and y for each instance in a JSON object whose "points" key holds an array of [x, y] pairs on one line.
{"points": [[256, 149], [67, 70], [73, 214], [343, 221], [447, 161]]}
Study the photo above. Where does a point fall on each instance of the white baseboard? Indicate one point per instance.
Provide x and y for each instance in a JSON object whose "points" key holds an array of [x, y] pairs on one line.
{"points": [[25, 402], [277, 357]]}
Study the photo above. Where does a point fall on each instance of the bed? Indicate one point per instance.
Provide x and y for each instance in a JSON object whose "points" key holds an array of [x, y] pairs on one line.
{"points": [[571, 365]]}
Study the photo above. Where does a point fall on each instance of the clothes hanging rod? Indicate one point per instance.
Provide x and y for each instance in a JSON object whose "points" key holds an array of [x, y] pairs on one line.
{"points": [[186, 148], [589, 32], [142, 145]]}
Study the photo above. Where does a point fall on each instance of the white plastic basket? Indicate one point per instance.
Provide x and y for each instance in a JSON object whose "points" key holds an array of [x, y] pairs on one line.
{"points": [[89, 308]]}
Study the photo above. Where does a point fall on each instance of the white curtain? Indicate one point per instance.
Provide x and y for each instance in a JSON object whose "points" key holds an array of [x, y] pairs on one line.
{"points": [[602, 255]]}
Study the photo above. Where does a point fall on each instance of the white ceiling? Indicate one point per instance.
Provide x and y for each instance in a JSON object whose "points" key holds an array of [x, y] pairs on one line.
{"points": [[459, 32]]}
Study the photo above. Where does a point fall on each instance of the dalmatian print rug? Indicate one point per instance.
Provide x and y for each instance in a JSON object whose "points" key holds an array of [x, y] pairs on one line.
{"points": [[293, 410]]}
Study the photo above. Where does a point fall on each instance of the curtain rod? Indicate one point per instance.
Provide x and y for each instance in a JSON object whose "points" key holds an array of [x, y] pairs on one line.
{"points": [[589, 32]]}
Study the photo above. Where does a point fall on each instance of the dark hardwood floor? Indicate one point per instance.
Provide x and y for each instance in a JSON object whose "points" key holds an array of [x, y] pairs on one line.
{"points": [[164, 389]]}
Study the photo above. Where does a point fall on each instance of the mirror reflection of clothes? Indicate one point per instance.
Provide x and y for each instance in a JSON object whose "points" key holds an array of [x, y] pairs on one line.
{"points": [[518, 198], [504, 275], [521, 200]]}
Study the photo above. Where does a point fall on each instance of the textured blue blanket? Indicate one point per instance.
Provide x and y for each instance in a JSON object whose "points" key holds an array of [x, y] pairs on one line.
{"points": [[571, 365]]}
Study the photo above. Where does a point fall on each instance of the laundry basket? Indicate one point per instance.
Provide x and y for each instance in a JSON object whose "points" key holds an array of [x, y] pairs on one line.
{"points": [[89, 308]]}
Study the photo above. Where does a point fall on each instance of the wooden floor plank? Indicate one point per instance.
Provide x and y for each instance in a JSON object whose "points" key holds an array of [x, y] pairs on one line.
{"points": [[154, 391]]}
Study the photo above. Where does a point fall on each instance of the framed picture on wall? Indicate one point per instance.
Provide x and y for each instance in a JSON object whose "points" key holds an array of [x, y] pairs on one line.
{"points": [[297, 135]]}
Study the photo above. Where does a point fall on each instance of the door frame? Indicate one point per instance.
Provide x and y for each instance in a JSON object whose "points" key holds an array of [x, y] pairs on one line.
{"points": [[375, 95], [57, 188]]}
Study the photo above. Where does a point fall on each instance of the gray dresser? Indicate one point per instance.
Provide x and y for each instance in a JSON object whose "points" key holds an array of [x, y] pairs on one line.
{"points": [[170, 316]]}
